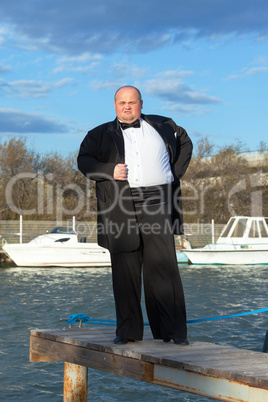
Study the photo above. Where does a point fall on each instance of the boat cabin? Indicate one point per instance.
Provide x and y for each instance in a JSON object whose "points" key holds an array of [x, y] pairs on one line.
{"points": [[57, 235], [245, 229]]}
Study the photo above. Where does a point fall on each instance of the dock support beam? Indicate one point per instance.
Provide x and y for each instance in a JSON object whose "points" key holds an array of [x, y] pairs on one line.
{"points": [[75, 383]]}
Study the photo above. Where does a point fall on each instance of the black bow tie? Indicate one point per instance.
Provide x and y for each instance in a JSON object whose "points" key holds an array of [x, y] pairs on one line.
{"points": [[135, 124]]}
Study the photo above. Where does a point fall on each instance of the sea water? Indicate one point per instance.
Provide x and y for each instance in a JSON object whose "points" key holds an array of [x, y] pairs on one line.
{"points": [[36, 298]]}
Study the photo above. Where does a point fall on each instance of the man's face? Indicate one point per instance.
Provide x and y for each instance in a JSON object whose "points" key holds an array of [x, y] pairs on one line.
{"points": [[128, 105]]}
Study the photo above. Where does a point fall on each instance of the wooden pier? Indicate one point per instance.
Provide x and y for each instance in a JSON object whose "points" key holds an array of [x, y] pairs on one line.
{"points": [[215, 371]]}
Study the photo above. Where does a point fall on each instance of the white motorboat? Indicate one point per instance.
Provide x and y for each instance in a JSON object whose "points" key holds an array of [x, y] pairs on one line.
{"points": [[244, 240], [59, 248]]}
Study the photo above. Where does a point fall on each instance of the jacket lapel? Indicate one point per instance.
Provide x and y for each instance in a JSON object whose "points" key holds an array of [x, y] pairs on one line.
{"points": [[116, 133]]}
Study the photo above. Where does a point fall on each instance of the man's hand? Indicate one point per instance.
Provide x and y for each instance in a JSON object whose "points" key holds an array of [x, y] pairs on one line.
{"points": [[120, 172]]}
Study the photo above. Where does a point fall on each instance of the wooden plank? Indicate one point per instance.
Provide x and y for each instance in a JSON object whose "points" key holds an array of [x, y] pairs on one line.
{"points": [[119, 365], [36, 358], [83, 337]]}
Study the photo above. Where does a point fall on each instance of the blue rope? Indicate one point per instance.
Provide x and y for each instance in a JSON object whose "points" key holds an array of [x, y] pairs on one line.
{"points": [[84, 318], [221, 317]]}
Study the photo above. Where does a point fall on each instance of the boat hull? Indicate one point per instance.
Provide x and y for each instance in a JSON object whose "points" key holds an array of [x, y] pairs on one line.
{"points": [[58, 255], [181, 257], [224, 257]]}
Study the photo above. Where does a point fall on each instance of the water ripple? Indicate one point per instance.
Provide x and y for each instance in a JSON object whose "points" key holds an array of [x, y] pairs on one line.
{"points": [[39, 297]]}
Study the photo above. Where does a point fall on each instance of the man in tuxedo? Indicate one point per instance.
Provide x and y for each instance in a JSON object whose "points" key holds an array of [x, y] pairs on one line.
{"points": [[137, 162]]}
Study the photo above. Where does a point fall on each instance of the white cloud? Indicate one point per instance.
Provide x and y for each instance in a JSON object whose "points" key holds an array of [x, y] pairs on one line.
{"points": [[110, 85], [82, 58], [247, 71], [4, 69], [63, 82], [256, 70], [122, 70], [169, 86], [83, 63], [191, 110], [14, 121], [32, 89], [232, 77]]}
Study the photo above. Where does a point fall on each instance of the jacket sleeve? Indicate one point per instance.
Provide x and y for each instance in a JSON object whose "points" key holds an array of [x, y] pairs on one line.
{"points": [[88, 159], [184, 149]]}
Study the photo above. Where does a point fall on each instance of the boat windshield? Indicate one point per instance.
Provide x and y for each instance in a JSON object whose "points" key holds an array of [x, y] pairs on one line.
{"points": [[62, 230], [254, 230], [263, 229], [228, 227], [240, 228]]}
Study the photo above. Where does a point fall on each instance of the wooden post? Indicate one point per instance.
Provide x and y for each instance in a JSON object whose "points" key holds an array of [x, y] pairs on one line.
{"points": [[75, 383]]}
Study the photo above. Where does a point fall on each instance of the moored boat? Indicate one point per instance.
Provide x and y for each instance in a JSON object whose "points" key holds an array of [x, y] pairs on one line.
{"points": [[243, 241], [58, 248]]}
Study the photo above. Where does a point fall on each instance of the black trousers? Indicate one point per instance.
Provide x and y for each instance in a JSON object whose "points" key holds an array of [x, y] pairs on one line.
{"points": [[156, 261]]}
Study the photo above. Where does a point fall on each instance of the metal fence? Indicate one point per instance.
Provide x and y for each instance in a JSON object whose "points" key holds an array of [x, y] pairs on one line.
{"points": [[23, 231]]}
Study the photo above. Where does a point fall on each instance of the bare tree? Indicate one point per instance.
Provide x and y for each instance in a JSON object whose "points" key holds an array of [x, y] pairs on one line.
{"points": [[217, 186], [19, 167]]}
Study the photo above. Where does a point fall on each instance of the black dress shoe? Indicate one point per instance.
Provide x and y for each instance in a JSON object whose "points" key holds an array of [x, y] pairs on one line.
{"points": [[180, 341], [166, 340], [120, 340]]}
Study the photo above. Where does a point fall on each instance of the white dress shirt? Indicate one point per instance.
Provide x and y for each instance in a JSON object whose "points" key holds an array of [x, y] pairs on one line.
{"points": [[146, 157]]}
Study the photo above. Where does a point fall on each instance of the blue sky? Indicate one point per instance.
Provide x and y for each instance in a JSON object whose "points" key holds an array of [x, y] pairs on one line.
{"points": [[202, 62]]}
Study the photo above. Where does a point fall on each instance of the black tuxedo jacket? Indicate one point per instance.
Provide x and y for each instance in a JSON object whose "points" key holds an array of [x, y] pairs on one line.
{"points": [[100, 151]]}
